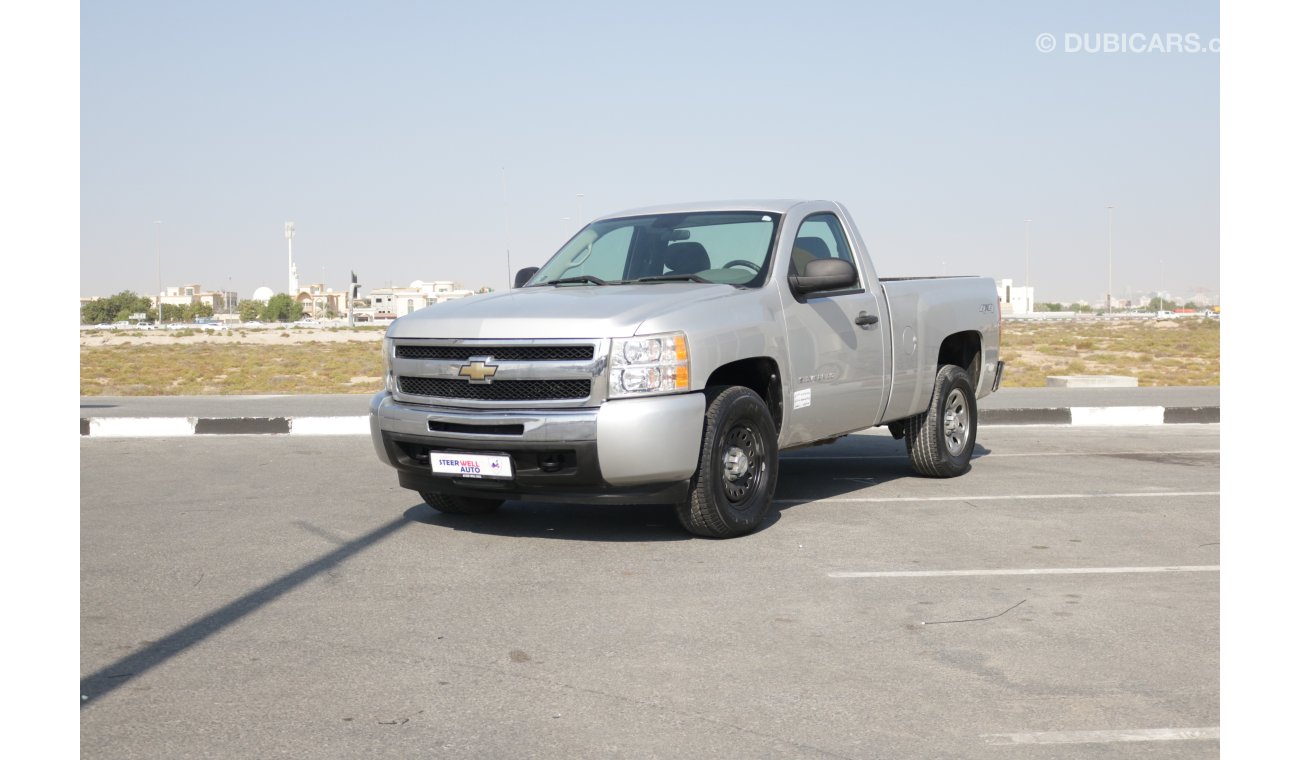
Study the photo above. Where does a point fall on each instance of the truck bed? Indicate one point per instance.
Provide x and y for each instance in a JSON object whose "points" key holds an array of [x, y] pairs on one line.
{"points": [[922, 312]]}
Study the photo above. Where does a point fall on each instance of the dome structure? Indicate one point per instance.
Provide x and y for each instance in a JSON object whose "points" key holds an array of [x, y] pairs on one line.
{"points": [[262, 294]]}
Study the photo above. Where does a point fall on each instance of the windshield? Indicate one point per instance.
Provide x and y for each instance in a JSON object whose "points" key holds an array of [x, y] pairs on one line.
{"points": [[730, 247]]}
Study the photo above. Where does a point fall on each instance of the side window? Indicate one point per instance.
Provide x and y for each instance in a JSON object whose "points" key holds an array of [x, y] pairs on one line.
{"points": [[820, 237]]}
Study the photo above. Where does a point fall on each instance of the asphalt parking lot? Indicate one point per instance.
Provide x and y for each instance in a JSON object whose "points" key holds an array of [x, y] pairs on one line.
{"points": [[248, 596]]}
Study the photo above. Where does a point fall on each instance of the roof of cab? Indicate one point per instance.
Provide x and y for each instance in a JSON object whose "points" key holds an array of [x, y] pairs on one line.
{"points": [[781, 206]]}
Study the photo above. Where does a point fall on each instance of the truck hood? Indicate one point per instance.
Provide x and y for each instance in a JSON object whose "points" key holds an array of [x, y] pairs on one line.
{"points": [[564, 311]]}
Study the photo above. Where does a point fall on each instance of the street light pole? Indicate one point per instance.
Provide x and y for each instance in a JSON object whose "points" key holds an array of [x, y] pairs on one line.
{"points": [[1029, 303], [157, 225], [1110, 254], [1159, 293]]}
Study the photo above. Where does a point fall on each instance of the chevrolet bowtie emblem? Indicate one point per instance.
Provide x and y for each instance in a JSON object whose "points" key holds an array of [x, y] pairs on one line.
{"points": [[478, 370]]}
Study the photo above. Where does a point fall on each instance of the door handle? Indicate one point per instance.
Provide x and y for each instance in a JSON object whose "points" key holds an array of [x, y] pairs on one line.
{"points": [[866, 320]]}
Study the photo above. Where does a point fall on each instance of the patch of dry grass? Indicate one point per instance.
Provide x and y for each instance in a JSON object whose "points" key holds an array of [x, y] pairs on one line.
{"points": [[1177, 352], [1180, 352], [231, 368]]}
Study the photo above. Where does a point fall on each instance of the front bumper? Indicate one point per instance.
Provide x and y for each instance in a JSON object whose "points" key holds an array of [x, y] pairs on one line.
{"points": [[624, 451]]}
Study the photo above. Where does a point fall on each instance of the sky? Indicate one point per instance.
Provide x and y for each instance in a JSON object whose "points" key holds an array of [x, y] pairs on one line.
{"points": [[419, 140]]}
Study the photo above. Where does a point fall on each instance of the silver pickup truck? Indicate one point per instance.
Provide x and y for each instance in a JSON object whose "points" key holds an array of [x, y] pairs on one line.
{"points": [[669, 354]]}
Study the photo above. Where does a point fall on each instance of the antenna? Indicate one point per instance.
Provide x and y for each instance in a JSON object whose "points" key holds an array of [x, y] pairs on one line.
{"points": [[505, 209]]}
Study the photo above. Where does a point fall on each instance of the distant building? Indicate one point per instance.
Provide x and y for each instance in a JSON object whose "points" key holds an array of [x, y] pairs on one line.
{"points": [[1015, 300], [319, 301], [188, 295], [391, 303]]}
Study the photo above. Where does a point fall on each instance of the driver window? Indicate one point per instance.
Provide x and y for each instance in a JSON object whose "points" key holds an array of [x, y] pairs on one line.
{"points": [[820, 237]]}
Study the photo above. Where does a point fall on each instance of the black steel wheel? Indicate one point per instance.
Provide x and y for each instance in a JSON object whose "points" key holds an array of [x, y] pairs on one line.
{"points": [[731, 491]]}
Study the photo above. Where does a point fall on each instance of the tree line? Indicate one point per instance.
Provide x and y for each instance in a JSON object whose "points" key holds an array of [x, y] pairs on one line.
{"points": [[1082, 307], [1155, 304], [120, 308], [279, 308]]}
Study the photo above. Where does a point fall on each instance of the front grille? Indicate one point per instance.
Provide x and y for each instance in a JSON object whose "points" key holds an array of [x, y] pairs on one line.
{"points": [[501, 390], [499, 353], [456, 427]]}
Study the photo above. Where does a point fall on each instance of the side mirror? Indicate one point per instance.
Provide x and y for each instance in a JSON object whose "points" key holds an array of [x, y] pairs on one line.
{"points": [[524, 275], [824, 274]]}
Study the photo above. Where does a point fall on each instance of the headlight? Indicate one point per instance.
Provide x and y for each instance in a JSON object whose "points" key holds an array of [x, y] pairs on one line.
{"points": [[650, 364], [389, 383]]}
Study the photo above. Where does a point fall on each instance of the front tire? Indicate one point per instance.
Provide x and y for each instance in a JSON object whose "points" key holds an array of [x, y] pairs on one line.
{"points": [[940, 440], [459, 505], [731, 491]]}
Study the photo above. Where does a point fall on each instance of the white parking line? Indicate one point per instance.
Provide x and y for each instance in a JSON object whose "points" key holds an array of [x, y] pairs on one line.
{"points": [[1002, 497], [1017, 454], [1029, 571], [1106, 737]]}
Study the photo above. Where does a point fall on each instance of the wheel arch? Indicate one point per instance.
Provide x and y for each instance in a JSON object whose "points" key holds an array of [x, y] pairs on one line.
{"points": [[762, 375], [963, 349]]}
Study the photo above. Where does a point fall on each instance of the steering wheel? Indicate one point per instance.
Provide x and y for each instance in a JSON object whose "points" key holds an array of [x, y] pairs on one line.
{"points": [[743, 263]]}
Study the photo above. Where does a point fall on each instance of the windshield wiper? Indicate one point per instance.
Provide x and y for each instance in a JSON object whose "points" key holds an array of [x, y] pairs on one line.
{"points": [[578, 278], [674, 278]]}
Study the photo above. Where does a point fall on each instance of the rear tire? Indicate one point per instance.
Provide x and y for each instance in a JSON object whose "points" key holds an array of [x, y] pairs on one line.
{"points": [[459, 505], [732, 488], [940, 440]]}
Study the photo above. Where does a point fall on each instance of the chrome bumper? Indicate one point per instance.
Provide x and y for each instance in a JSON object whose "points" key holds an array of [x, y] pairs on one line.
{"points": [[550, 426], [642, 440]]}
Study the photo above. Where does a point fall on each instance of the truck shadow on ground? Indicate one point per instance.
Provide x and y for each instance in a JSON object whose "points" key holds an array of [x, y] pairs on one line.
{"points": [[571, 522], [853, 465], [117, 674]]}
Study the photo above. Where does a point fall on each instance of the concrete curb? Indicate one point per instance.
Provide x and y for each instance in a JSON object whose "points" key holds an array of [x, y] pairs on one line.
{"points": [[1102, 416], [157, 427]]}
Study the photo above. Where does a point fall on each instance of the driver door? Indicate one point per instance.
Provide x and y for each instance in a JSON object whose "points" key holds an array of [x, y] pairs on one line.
{"points": [[838, 366]]}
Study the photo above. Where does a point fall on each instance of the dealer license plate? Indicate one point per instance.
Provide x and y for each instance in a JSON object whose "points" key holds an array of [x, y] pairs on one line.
{"points": [[471, 465]]}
